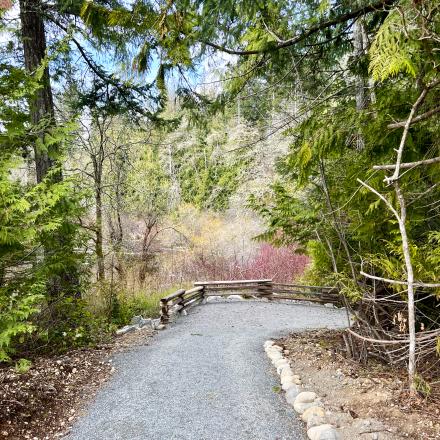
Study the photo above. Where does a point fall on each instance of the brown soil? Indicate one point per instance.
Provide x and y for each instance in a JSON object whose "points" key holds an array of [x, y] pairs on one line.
{"points": [[44, 402], [365, 402]]}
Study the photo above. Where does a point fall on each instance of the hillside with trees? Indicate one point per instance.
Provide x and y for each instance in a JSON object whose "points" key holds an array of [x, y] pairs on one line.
{"points": [[145, 145]]}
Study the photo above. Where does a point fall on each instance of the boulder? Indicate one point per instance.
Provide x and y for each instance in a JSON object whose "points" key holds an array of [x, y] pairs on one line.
{"points": [[213, 298], [286, 373], [143, 322], [301, 407], [304, 401], [315, 420], [268, 343], [306, 397], [274, 356], [291, 394], [281, 362], [288, 384], [126, 329], [281, 367], [136, 319], [235, 297], [323, 432], [313, 411]]}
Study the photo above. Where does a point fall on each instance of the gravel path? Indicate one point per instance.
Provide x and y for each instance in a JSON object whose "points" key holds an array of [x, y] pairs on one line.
{"points": [[205, 377]]}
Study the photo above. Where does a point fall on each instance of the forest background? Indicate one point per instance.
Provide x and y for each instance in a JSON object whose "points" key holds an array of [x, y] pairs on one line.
{"points": [[147, 144]]}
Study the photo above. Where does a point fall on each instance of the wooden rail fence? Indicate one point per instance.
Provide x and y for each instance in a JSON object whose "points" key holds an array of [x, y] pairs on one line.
{"points": [[182, 300]]}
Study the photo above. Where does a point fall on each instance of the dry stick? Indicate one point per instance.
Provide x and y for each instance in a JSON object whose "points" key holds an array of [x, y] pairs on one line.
{"points": [[419, 118], [402, 283], [407, 165], [392, 341]]}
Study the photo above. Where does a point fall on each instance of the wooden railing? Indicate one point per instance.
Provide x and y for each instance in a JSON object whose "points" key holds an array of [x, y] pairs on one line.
{"points": [[181, 300]]}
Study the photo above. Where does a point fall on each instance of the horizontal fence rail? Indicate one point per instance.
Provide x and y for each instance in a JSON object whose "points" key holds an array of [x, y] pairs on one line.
{"points": [[182, 299]]}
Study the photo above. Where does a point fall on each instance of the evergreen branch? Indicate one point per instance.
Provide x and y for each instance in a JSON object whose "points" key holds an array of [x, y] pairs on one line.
{"points": [[100, 73], [307, 33], [414, 108]]}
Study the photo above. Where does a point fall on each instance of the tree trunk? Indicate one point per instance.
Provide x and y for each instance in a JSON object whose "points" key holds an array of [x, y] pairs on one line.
{"points": [[410, 281], [42, 115], [99, 234], [41, 105], [362, 98]]}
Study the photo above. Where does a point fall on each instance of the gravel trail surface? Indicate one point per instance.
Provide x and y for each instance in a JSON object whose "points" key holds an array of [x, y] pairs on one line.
{"points": [[206, 377]]}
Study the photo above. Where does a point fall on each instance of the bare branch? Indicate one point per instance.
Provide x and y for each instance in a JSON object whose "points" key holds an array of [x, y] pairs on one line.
{"points": [[393, 341], [407, 165], [419, 118], [402, 283], [382, 197]]}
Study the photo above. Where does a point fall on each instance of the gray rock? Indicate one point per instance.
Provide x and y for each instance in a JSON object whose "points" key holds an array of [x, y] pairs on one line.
{"points": [[126, 329], [155, 323], [315, 420], [143, 322], [291, 394], [329, 305], [301, 407], [364, 426], [136, 320], [323, 432], [306, 397], [313, 411], [214, 298], [236, 297]]}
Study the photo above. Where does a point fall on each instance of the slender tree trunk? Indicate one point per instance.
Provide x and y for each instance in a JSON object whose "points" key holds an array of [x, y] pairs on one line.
{"points": [[41, 104], [362, 99], [99, 246], [42, 115], [410, 281]]}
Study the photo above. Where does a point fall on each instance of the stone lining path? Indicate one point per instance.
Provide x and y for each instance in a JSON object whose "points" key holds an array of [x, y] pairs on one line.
{"points": [[206, 377]]}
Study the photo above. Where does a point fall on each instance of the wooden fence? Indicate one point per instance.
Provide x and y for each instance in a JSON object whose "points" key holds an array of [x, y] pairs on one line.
{"points": [[181, 300]]}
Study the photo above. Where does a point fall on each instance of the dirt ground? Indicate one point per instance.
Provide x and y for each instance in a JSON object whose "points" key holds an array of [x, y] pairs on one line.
{"points": [[43, 403], [365, 402]]}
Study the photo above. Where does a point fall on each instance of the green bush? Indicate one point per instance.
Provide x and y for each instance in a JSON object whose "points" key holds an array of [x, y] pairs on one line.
{"points": [[76, 325], [125, 306]]}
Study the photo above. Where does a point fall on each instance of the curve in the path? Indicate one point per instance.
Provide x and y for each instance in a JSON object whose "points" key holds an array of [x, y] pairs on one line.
{"points": [[205, 378]]}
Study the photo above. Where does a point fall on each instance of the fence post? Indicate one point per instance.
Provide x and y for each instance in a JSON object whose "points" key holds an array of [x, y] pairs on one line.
{"points": [[265, 289], [164, 312]]}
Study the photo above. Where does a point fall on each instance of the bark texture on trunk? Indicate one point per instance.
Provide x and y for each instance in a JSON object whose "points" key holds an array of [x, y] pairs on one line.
{"points": [[41, 103], [42, 116]]}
